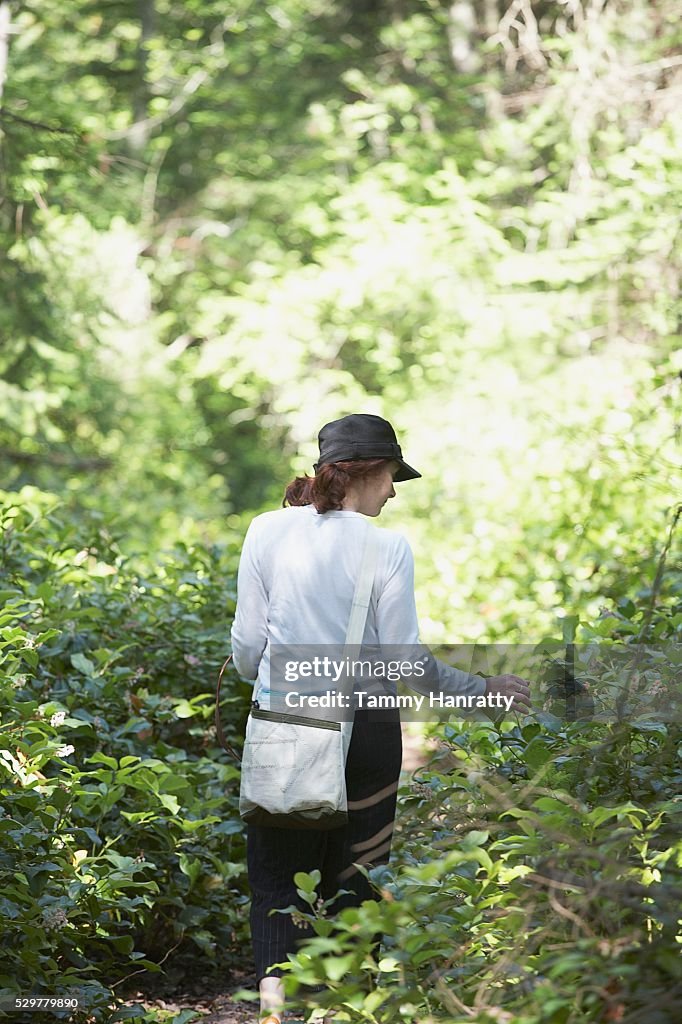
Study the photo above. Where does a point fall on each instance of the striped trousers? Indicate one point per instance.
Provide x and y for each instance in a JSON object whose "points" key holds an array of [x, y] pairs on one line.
{"points": [[274, 855]]}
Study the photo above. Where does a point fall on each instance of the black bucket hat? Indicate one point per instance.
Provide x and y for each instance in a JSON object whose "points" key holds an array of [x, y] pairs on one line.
{"points": [[362, 436]]}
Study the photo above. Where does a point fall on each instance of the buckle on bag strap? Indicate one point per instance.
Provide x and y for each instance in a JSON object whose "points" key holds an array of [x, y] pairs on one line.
{"points": [[280, 716]]}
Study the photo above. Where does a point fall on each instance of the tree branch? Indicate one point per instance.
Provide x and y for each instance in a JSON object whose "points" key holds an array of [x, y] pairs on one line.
{"points": [[56, 459], [4, 113]]}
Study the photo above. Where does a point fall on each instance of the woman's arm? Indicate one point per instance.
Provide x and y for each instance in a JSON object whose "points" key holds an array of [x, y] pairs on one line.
{"points": [[397, 624], [250, 626]]}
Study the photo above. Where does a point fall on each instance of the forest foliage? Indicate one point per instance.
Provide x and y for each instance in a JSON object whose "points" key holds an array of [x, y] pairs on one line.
{"points": [[222, 224]]}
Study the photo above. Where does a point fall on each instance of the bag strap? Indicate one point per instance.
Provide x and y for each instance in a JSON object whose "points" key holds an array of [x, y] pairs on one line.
{"points": [[218, 724], [356, 622], [363, 589]]}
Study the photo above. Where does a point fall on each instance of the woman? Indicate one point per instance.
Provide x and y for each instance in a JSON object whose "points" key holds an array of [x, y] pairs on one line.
{"points": [[296, 582]]}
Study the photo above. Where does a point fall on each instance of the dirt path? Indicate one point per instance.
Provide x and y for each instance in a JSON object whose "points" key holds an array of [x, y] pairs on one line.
{"points": [[210, 1009], [217, 1009]]}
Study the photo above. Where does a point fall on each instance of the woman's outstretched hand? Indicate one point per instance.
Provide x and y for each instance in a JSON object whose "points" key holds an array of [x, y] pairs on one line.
{"points": [[511, 686]]}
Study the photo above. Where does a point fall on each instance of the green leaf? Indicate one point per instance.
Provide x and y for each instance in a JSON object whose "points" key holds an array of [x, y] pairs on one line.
{"points": [[473, 839], [83, 664], [183, 709], [101, 758], [308, 882], [190, 867], [170, 802], [569, 625], [307, 896], [537, 754], [335, 967]]}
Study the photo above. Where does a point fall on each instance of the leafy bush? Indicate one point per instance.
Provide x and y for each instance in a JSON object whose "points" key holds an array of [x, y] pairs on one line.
{"points": [[537, 871], [120, 840], [516, 898]]}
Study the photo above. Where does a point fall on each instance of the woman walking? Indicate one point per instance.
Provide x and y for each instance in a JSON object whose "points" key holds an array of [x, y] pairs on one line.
{"points": [[297, 580]]}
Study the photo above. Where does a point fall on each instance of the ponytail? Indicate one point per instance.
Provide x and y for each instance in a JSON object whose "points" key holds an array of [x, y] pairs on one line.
{"points": [[327, 489]]}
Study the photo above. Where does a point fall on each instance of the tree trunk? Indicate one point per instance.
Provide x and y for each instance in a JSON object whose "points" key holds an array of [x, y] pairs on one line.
{"points": [[139, 133], [462, 34], [4, 42]]}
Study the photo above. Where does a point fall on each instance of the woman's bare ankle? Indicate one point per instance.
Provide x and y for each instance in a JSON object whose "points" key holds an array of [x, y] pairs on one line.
{"points": [[271, 992]]}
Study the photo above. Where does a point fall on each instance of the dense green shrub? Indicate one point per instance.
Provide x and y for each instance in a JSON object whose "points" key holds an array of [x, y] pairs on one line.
{"points": [[537, 869], [119, 837], [513, 897]]}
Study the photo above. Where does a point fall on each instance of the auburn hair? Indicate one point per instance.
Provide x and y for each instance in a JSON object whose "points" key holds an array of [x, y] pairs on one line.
{"points": [[327, 489]]}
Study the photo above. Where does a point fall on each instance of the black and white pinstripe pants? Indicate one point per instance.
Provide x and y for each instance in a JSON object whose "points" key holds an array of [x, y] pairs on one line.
{"points": [[275, 854]]}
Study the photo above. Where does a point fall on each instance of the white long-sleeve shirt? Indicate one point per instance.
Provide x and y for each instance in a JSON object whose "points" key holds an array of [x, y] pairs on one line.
{"points": [[296, 583]]}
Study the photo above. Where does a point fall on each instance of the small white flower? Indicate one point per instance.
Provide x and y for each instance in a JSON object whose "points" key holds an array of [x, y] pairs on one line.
{"points": [[54, 918], [67, 749], [58, 718]]}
